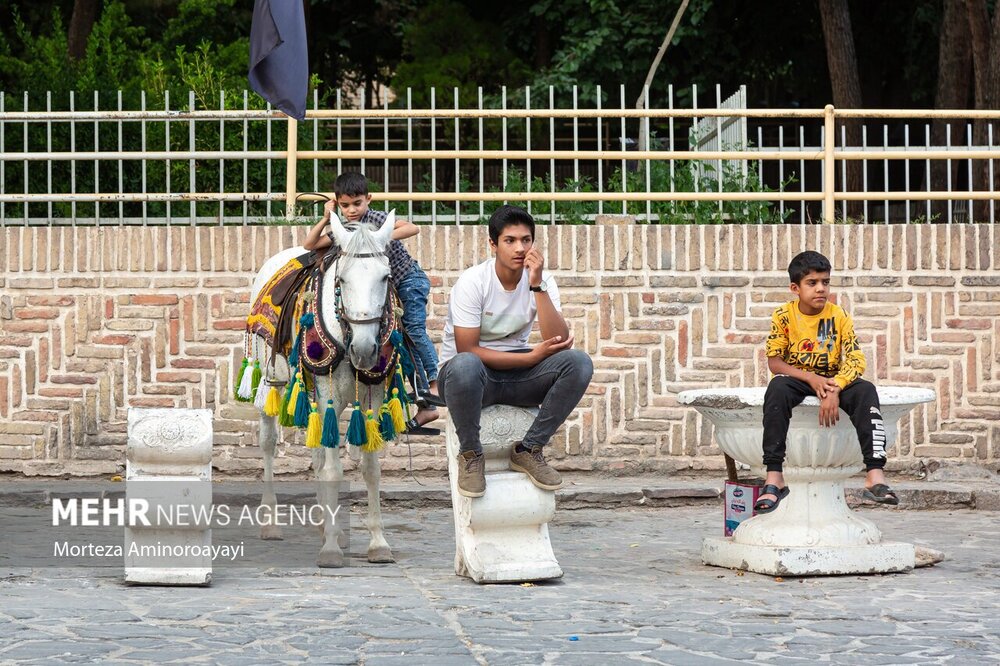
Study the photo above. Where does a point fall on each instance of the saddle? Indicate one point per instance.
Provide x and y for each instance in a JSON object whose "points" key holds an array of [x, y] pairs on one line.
{"points": [[272, 313]]}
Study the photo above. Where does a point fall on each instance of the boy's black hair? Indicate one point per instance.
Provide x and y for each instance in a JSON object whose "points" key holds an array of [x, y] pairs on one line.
{"points": [[506, 216], [351, 183], [805, 263]]}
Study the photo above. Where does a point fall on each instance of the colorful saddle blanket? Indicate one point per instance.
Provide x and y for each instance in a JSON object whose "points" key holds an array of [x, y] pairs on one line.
{"points": [[272, 313]]}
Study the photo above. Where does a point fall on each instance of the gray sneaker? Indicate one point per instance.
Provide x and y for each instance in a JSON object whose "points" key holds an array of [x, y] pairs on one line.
{"points": [[471, 474], [533, 464]]}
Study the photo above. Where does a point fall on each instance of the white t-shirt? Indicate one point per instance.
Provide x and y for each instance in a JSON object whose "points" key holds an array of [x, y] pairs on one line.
{"points": [[503, 318]]}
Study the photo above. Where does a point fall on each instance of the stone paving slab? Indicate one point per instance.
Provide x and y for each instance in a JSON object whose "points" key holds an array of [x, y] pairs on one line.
{"points": [[634, 591]]}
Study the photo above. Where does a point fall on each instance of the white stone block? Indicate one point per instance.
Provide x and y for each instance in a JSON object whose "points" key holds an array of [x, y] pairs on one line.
{"points": [[813, 531], [502, 536], [169, 467]]}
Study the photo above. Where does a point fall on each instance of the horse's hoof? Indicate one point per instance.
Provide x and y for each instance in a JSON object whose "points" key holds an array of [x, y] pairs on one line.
{"points": [[380, 555], [330, 560], [270, 533]]}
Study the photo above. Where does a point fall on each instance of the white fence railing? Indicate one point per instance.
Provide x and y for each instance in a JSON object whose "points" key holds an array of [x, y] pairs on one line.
{"points": [[570, 161]]}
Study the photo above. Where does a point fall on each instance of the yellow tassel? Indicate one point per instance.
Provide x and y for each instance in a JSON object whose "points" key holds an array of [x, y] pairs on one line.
{"points": [[315, 429], [396, 412], [374, 442], [273, 404], [293, 400]]}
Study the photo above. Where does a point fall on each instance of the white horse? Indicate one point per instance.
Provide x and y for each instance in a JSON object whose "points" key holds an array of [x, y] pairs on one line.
{"points": [[362, 271]]}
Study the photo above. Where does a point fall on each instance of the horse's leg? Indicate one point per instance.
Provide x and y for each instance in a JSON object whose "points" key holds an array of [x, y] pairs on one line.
{"points": [[268, 439], [329, 475], [378, 549]]}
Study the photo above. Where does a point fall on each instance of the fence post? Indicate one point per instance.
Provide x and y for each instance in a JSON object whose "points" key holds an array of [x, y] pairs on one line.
{"points": [[291, 168], [829, 167]]}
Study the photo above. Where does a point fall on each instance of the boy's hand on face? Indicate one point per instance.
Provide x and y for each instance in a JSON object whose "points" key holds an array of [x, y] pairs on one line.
{"points": [[534, 262], [328, 208], [829, 410]]}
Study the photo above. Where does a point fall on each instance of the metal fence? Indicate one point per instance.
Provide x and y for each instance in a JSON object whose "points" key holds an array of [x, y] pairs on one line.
{"points": [[569, 160]]}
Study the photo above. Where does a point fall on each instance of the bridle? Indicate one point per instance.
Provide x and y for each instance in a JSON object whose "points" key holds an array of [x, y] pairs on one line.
{"points": [[339, 310]]}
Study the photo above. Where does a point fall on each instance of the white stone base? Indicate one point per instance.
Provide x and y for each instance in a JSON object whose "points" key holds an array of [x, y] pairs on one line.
{"points": [[503, 536], [884, 557], [169, 467], [168, 576]]}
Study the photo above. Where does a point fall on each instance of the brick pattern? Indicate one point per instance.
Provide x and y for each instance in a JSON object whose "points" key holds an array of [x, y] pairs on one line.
{"points": [[94, 320]]}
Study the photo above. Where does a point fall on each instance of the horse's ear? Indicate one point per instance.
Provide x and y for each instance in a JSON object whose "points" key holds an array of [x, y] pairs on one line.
{"points": [[340, 234], [384, 234]]}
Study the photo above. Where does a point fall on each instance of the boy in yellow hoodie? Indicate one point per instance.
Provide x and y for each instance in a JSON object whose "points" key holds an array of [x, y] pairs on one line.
{"points": [[812, 350]]}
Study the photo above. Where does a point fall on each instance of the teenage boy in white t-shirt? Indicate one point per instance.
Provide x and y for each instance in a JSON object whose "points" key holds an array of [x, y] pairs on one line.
{"points": [[486, 360]]}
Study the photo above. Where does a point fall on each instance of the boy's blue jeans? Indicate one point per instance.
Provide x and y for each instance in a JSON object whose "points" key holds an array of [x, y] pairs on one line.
{"points": [[414, 290]]}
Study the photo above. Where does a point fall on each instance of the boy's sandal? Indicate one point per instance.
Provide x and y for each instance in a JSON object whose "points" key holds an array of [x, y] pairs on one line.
{"points": [[881, 494], [769, 505], [426, 400], [414, 428]]}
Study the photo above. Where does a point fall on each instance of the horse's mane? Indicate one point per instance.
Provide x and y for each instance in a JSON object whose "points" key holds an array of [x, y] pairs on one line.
{"points": [[363, 241]]}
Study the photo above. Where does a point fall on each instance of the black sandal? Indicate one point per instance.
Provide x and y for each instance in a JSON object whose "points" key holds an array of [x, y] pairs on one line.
{"points": [[414, 428], [769, 505], [881, 494]]}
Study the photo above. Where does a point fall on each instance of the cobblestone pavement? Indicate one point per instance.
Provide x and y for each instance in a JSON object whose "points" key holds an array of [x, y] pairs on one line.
{"points": [[634, 591]]}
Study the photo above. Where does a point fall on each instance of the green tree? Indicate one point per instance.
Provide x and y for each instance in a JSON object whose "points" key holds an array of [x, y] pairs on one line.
{"points": [[446, 47]]}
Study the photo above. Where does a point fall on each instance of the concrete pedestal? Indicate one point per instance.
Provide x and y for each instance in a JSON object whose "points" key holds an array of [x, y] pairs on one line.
{"points": [[502, 536], [813, 531], [169, 467]]}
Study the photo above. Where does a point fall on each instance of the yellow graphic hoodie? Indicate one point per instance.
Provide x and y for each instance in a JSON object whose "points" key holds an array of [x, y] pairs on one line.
{"points": [[824, 343]]}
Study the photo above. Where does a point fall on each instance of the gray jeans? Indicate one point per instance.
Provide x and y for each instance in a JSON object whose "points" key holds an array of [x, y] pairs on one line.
{"points": [[555, 386]]}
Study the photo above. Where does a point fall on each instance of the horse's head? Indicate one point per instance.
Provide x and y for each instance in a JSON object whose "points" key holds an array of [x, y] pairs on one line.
{"points": [[362, 275]]}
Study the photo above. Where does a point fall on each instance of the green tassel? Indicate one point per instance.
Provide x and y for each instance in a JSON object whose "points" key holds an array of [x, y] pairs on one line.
{"points": [[239, 378], [386, 426], [284, 418], [301, 418], [257, 376], [398, 384], [396, 339], [331, 427], [356, 434]]}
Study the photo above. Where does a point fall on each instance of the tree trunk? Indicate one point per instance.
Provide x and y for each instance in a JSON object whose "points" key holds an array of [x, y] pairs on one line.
{"points": [[80, 25], [953, 88], [843, 65], [641, 102], [986, 70]]}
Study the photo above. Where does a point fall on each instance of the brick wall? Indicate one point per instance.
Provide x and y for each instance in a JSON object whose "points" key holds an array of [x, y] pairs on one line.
{"points": [[95, 320]]}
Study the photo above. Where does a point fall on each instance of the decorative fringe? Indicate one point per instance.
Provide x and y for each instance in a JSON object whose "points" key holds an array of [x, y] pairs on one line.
{"points": [[395, 408], [301, 418], [385, 425], [245, 392], [272, 405], [331, 427], [239, 378], [374, 442], [284, 417], [256, 377], [356, 433], [315, 429], [396, 340], [260, 396], [398, 386], [293, 399]]}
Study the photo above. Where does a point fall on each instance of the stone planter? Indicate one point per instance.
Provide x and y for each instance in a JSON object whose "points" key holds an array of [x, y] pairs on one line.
{"points": [[813, 531]]}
